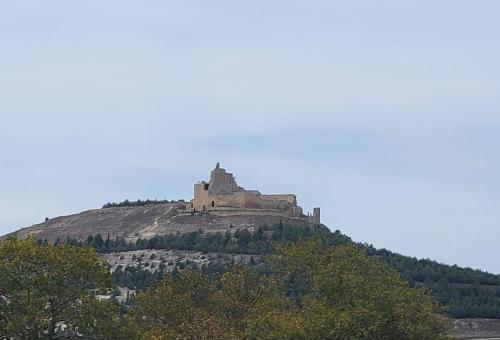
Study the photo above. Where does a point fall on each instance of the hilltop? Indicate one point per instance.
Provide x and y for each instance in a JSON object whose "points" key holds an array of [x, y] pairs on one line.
{"points": [[147, 221], [218, 205]]}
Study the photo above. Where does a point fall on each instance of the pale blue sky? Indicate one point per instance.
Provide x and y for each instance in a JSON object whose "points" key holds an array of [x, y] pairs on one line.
{"points": [[384, 113]]}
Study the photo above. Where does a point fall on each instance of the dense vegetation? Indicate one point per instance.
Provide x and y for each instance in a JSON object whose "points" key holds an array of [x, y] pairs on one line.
{"points": [[312, 291], [49, 292], [465, 292], [138, 203], [241, 241]]}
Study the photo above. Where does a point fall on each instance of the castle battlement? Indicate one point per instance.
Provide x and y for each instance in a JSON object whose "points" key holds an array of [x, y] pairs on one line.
{"points": [[222, 192]]}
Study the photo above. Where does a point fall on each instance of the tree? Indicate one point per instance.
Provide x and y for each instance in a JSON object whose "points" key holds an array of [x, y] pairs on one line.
{"points": [[178, 307], [101, 319], [44, 289], [343, 294], [190, 305], [314, 291]]}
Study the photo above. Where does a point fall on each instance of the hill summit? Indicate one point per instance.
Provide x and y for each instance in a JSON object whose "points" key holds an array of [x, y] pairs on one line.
{"points": [[218, 205]]}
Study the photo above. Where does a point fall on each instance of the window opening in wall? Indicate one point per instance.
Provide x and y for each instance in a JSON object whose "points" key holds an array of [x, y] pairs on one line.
{"points": [[213, 203]]}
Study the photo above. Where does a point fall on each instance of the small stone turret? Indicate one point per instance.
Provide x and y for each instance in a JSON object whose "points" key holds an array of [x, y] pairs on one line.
{"points": [[317, 216]]}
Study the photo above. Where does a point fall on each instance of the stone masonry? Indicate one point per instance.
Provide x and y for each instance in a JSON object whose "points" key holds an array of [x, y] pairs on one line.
{"points": [[221, 194]]}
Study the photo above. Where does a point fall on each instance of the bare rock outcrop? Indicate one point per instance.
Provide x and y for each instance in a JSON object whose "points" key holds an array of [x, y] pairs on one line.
{"points": [[149, 221]]}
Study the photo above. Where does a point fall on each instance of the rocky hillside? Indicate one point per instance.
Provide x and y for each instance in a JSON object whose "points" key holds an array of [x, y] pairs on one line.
{"points": [[475, 328], [145, 222], [153, 260]]}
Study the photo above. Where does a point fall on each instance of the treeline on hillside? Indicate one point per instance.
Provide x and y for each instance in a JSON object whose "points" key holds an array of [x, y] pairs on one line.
{"points": [[464, 291], [139, 279], [312, 291], [138, 203], [423, 270], [241, 241], [135, 278]]}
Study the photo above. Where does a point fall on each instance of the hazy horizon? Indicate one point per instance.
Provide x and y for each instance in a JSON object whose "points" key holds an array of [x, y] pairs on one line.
{"points": [[384, 114]]}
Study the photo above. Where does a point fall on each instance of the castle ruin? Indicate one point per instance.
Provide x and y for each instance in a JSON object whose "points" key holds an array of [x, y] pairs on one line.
{"points": [[222, 195]]}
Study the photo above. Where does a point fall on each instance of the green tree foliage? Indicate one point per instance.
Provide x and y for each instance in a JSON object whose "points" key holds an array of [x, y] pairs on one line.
{"points": [[314, 292], [237, 305], [343, 294], [138, 203], [241, 241], [135, 278], [311, 291], [46, 291], [101, 319], [465, 292]]}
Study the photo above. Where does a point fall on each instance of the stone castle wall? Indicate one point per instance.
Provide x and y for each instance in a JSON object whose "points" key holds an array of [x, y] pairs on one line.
{"points": [[222, 192]]}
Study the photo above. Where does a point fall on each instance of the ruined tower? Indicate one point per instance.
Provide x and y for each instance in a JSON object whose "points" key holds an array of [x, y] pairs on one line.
{"points": [[222, 194]]}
